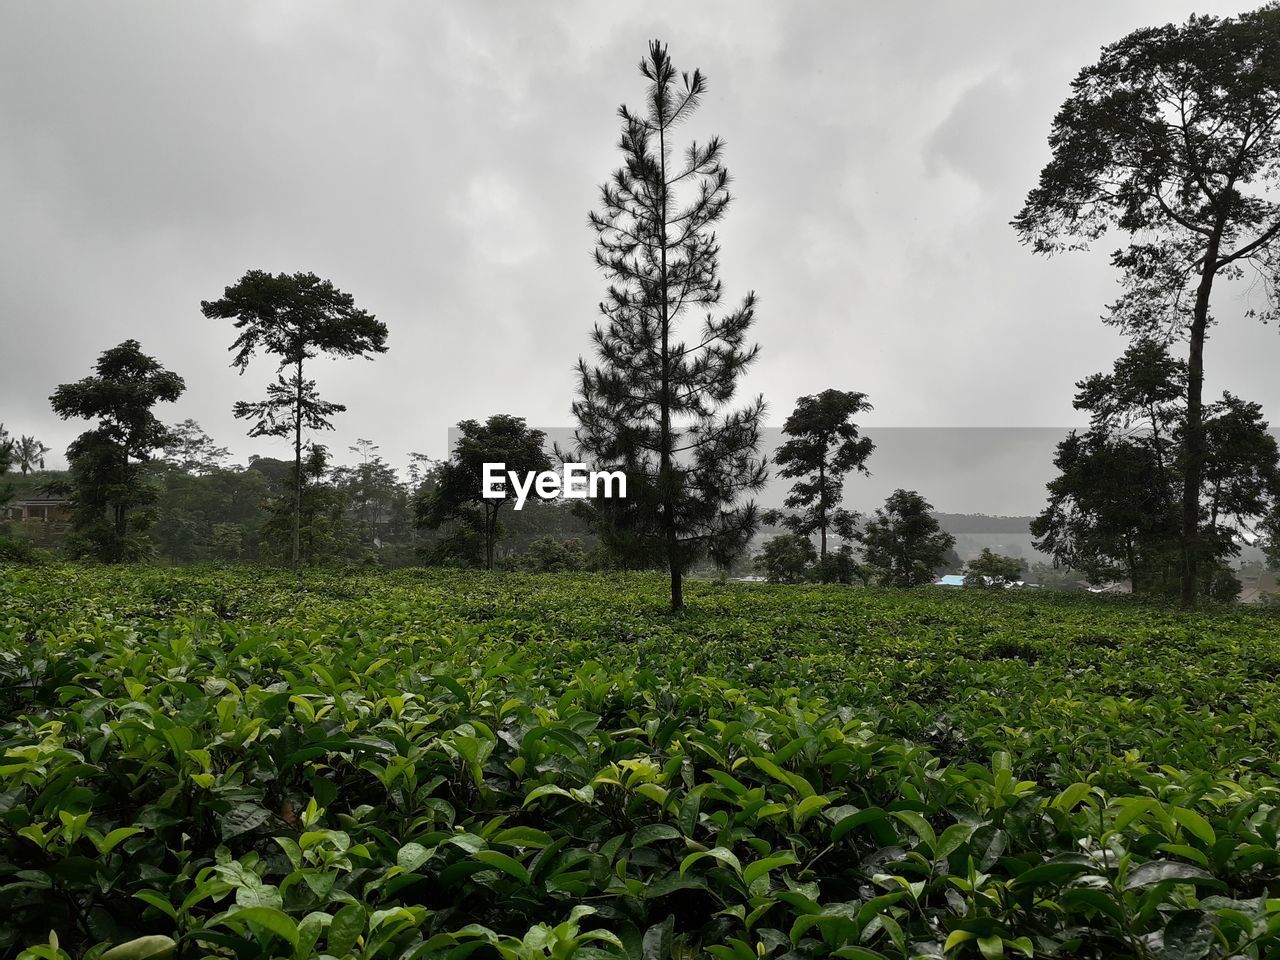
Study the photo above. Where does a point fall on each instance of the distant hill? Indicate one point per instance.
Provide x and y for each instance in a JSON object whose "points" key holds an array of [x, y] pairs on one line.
{"points": [[958, 523]]}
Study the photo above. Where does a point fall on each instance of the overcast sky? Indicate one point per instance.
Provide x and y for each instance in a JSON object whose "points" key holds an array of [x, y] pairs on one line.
{"points": [[438, 160]]}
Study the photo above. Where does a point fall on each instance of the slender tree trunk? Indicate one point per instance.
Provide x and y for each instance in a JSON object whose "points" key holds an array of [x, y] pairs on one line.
{"points": [[121, 530], [822, 508], [664, 460], [490, 535], [120, 514], [1194, 453], [1132, 557], [297, 474]]}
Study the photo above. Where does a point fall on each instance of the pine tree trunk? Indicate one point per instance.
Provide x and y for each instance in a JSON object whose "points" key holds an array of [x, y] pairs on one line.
{"points": [[664, 459]]}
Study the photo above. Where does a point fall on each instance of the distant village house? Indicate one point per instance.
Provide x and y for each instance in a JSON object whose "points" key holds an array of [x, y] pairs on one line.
{"points": [[50, 508]]}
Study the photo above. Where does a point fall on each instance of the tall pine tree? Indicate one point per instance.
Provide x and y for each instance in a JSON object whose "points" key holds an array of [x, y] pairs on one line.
{"points": [[654, 404]]}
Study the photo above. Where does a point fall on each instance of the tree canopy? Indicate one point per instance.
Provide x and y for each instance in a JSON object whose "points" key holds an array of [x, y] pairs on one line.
{"points": [[903, 542], [824, 445], [107, 482]]}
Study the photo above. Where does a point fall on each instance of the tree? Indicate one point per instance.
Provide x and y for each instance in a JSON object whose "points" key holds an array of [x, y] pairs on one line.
{"points": [[294, 318], [903, 541], [787, 558], [1173, 138], [192, 450], [107, 481], [991, 569], [824, 446], [656, 405], [457, 494], [377, 498], [29, 454], [1114, 510]]}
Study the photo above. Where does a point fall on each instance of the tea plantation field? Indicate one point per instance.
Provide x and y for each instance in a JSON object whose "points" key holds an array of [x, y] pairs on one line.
{"points": [[456, 764]]}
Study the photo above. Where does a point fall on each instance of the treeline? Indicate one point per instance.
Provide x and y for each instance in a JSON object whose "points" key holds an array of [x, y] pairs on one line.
{"points": [[193, 506], [1171, 140]]}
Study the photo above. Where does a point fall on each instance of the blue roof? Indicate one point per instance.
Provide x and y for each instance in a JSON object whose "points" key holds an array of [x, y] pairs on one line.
{"points": [[951, 580]]}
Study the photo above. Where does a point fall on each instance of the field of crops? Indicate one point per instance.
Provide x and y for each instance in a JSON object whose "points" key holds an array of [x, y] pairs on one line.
{"points": [[436, 764]]}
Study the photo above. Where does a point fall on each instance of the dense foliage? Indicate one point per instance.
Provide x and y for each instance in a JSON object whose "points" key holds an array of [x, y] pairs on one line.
{"points": [[425, 763]]}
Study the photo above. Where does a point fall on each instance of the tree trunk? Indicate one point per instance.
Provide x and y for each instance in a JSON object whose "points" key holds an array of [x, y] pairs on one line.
{"points": [[490, 535], [297, 474], [667, 494], [822, 508], [1193, 470], [121, 530], [1132, 557]]}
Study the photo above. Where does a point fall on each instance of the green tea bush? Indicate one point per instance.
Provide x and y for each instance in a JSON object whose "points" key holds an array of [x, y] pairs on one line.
{"points": [[451, 764]]}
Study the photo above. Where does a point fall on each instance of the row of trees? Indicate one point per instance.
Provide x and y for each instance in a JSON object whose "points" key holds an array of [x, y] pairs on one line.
{"points": [[1172, 138], [901, 545]]}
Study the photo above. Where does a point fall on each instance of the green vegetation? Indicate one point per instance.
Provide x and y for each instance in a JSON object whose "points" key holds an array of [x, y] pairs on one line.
{"points": [[430, 764]]}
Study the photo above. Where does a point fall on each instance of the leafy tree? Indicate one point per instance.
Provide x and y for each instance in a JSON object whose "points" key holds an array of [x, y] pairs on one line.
{"points": [[457, 494], [29, 454], [192, 450], [1269, 539], [839, 566], [1104, 518], [108, 483], [1114, 510], [420, 470], [1173, 138], [787, 558], [991, 569], [294, 318], [656, 405], [903, 541], [824, 446]]}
